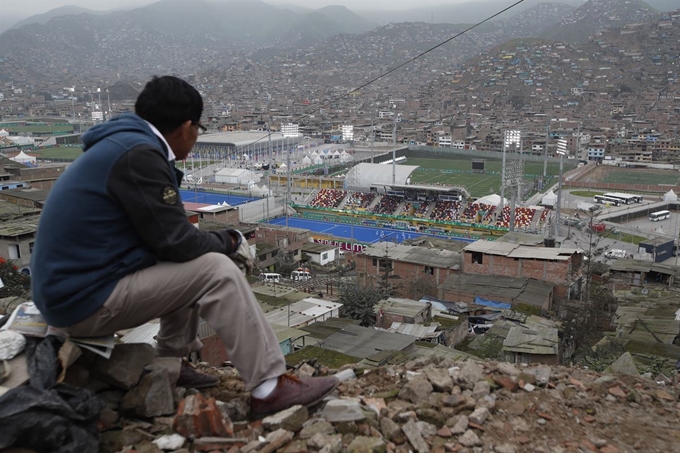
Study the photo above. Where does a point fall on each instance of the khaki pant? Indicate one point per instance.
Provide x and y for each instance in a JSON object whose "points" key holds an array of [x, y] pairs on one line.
{"points": [[210, 287]]}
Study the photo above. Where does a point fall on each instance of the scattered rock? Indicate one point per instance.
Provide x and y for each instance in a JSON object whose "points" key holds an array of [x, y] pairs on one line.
{"points": [[469, 439], [413, 434], [417, 390], [290, 419], [343, 410], [125, 366], [200, 417], [363, 444], [170, 442], [440, 379], [153, 396]]}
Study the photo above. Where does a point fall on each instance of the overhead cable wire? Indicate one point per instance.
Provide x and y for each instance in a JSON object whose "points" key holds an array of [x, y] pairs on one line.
{"points": [[409, 61]]}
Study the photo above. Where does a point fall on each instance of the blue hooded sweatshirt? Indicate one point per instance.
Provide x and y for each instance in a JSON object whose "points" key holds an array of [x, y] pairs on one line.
{"points": [[86, 242]]}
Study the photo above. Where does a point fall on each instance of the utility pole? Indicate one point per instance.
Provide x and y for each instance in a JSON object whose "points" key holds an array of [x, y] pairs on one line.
{"points": [[545, 153], [394, 152], [561, 150], [372, 138]]}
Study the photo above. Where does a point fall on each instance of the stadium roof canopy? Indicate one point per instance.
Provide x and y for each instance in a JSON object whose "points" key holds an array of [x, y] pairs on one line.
{"points": [[244, 139], [363, 176]]}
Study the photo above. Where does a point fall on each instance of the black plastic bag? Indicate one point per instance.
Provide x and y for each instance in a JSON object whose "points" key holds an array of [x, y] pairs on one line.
{"points": [[45, 416]]}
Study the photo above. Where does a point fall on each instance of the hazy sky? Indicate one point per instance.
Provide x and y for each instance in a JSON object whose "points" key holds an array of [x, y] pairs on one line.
{"points": [[29, 7]]}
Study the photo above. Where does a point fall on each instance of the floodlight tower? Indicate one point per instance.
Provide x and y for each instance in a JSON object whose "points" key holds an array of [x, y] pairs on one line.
{"points": [[511, 137], [561, 150]]}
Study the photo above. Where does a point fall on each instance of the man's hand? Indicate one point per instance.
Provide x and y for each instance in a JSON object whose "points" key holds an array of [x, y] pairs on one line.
{"points": [[242, 256]]}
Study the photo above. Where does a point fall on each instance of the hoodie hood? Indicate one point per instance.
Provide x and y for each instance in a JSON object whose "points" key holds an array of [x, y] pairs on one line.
{"points": [[127, 123]]}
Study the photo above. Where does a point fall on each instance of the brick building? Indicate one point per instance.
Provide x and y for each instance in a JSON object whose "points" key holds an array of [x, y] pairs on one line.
{"points": [[559, 266], [407, 267], [271, 239]]}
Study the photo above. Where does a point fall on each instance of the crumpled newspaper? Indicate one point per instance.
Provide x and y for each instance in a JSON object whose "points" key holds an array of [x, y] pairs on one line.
{"points": [[11, 344]]}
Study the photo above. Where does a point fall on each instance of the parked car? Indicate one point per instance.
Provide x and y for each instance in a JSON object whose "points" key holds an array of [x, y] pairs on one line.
{"points": [[615, 254]]}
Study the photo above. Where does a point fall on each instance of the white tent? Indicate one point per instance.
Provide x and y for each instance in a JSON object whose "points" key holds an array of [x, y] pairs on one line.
{"points": [[307, 161], [549, 199], [22, 141], [236, 176], [23, 158], [493, 200], [3, 133], [318, 160], [670, 196]]}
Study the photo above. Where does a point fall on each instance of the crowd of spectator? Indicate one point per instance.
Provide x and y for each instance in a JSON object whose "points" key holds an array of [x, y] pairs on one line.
{"points": [[361, 199], [407, 210], [447, 211], [523, 217], [328, 198], [387, 204], [422, 209], [477, 213]]}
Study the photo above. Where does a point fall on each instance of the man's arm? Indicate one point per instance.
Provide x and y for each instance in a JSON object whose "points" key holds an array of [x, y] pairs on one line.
{"points": [[143, 184]]}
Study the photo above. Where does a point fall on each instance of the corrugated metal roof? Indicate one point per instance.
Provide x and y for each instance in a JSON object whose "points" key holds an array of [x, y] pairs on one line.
{"points": [[644, 266], [520, 289], [284, 333], [143, 334], [413, 254], [531, 339], [513, 250], [398, 306], [415, 330], [19, 227], [362, 342], [301, 312]]}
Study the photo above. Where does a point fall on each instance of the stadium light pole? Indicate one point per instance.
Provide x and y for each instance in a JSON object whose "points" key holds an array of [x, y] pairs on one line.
{"points": [[561, 150], [394, 151], [510, 137]]}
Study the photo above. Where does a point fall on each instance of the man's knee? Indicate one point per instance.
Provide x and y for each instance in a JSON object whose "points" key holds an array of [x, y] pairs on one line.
{"points": [[219, 264]]}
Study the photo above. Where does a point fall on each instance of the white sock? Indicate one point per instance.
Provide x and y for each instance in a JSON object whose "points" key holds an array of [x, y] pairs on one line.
{"points": [[265, 389]]}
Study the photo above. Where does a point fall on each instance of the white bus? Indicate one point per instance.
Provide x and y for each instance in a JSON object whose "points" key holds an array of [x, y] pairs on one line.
{"points": [[625, 198], [606, 200], [300, 275], [271, 277], [659, 215]]}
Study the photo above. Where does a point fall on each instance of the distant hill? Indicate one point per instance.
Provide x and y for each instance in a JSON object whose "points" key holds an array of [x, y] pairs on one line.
{"points": [[457, 13], [67, 10], [598, 15], [77, 39]]}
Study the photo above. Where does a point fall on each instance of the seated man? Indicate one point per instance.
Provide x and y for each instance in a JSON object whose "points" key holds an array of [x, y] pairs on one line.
{"points": [[115, 250]]}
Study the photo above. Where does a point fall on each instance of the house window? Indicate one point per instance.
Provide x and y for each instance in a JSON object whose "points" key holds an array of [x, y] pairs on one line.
{"points": [[324, 256], [428, 270], [385, 265], [477, 258], [375, 261], [14, 252], [30, 247], [262, 257]]}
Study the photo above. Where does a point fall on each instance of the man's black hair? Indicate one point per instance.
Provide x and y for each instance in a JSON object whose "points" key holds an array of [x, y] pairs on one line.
{"points": [[167, 102]]}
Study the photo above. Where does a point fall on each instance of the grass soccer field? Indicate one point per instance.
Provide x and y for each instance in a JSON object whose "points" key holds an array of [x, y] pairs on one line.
{"points": [[431, 171], [58, 153], [641, 177]]}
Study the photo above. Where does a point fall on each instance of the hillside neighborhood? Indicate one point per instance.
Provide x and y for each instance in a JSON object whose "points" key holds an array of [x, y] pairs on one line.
{"points": [[482, 246]]}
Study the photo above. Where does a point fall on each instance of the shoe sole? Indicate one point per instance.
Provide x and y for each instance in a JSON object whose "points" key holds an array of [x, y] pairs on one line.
{"points": [[310, 404]]}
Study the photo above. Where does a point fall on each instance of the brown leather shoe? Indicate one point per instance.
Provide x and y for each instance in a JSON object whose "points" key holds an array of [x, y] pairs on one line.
{"points": [[290, 391], [190, 378]]}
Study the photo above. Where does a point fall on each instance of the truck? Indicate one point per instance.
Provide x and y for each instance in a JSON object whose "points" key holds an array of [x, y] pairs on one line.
{"points": [[588, 207]]}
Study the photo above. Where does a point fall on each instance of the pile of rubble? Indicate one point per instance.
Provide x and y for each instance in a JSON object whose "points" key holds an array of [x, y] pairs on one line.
{"points": [[427, 405]]}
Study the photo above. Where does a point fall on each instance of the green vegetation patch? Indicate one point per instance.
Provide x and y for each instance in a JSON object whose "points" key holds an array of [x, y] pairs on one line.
{"points": [[585, 193], [456, 170], [65, 152], [326, 357], [42, 129], [624, 237], [641, 177]]}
